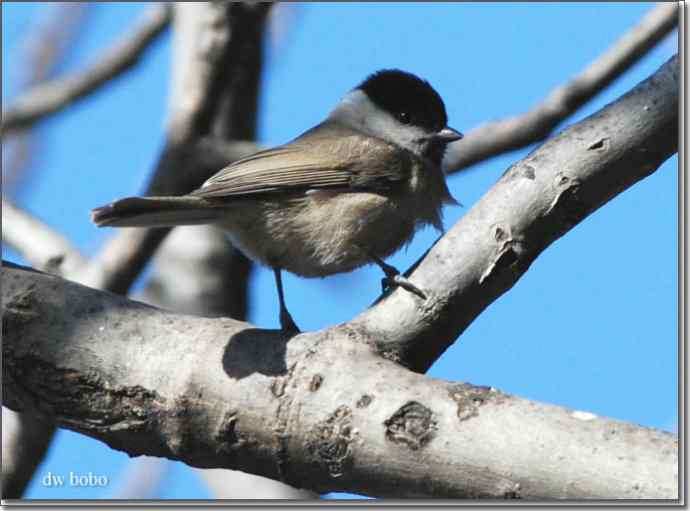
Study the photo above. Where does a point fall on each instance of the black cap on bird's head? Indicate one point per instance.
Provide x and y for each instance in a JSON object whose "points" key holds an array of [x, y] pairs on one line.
{"points": [[410, 100]]}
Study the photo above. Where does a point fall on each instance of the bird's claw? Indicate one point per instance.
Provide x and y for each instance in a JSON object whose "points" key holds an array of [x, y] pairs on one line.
{"points": [[391, 281], [287, 324]]}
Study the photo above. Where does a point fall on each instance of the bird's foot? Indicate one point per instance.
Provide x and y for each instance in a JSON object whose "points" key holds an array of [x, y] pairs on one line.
{"points": [[395, 279], [287, 324]]}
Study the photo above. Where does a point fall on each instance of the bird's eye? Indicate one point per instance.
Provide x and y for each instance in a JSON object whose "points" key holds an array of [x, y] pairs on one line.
{"points": [[404, 117]]}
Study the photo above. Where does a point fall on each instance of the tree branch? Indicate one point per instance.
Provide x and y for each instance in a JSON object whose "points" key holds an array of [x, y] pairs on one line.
{"points": [[536, 201], [535, 125], [43, 49], [51, 97], [196, 272], [322, 411], [38, 243], [25, 440]]}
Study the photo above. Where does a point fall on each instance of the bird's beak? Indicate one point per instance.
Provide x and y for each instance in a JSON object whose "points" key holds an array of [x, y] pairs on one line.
{"points": [[449, 135]]}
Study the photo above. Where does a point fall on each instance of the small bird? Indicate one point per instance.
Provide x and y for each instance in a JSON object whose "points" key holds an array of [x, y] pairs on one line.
{"points": [[348, 192]]}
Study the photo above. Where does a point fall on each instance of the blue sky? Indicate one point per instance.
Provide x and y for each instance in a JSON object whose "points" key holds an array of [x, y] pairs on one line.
{"points": [[592, 325]]}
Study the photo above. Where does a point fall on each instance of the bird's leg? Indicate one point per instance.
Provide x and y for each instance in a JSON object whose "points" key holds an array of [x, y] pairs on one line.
{"points": [[287, 324], [393, 277]]}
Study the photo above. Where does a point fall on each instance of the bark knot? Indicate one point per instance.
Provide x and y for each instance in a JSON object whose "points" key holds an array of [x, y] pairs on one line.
{"points": [[330, 441], [227, 437], [315, 382], [507, 252], [601, 144], [413, 425], [520, 170], [469, 398], [364, 401], [567, 202]]}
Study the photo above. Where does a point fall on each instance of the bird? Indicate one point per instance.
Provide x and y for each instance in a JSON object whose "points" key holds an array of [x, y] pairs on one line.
{"points": [[348, 192]]}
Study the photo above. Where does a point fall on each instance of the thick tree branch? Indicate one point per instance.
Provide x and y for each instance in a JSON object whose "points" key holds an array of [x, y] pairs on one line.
{"points": [[322, 411], [195, 272], [536, 201], [51, 97], [535, 125]]}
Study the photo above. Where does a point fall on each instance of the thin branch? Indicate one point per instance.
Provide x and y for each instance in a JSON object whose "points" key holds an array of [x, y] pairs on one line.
{"points": [[141, 479], [38, 243], [537, 200], [234, 484], [43, 49], [535, 125], [322, 411], [54, 96], [25, 440]]}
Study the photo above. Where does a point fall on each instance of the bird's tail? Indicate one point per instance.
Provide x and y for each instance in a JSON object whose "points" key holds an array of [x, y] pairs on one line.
{"points": [[157, 212]]}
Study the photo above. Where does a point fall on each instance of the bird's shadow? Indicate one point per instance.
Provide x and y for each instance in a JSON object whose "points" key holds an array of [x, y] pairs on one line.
{"points": [[255, 351]]}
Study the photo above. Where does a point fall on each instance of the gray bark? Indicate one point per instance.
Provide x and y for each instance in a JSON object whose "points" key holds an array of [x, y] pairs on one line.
{"points": [[321, 410], [196, 272]]}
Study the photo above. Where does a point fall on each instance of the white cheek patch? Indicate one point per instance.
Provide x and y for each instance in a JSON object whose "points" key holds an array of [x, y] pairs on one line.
{"points": [[357, 111]]}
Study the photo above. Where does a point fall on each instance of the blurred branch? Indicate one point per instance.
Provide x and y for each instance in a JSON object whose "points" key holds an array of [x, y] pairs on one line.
{"points": [[214, 152], [210, 48], [319, 410], [52, 97], [38, 243], [141, 479], [502, 136], [537, 200], [43, 50], [193, 274], [237, 485], [25, 440]]}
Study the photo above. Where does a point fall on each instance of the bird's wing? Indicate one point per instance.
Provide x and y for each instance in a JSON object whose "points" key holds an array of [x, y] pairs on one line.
{"points": [[315, 160]]}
